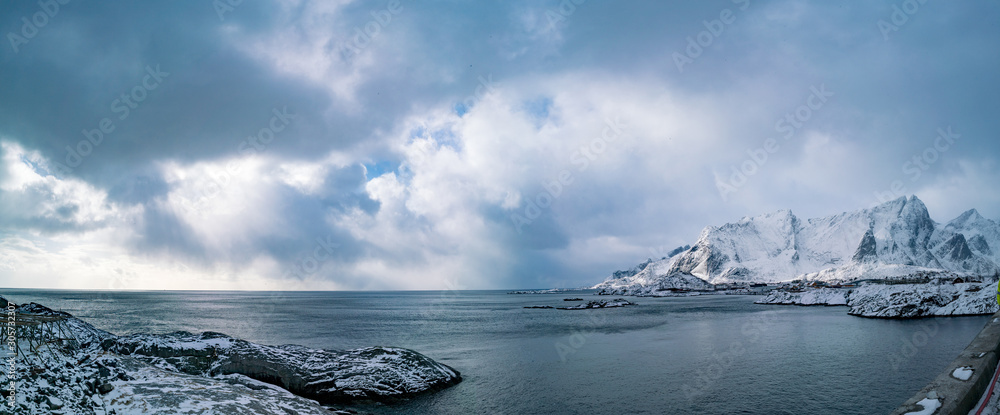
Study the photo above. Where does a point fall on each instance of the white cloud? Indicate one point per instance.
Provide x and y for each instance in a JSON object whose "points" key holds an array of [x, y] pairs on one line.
{"points": [[33, 199]]}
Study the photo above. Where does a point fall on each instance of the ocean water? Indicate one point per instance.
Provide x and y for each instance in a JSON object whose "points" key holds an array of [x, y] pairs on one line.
{"points": [[702, 355]]}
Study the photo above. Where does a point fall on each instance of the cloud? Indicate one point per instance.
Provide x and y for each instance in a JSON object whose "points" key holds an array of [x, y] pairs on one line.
{"points": [[361, 145]]}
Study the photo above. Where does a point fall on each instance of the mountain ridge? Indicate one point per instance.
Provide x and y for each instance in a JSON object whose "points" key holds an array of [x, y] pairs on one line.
{"points": [[894, 238]]}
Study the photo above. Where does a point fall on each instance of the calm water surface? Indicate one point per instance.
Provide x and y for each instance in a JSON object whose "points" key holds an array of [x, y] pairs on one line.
{"points": [[711, 354]]}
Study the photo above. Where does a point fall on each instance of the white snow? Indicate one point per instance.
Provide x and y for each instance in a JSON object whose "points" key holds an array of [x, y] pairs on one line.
{"points": [[920, 300], [962, 373], [894, 239], [929, 406], [819, 296], [90, 376]]}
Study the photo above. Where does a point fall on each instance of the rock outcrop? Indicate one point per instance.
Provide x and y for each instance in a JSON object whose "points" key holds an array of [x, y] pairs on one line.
{"points": [[373, 373], [923, 300], [820, 296], [80, 369]]}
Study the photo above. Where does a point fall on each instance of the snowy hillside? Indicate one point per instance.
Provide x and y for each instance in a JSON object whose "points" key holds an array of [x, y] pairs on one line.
{"points": [[897, 238], [649, 279]]}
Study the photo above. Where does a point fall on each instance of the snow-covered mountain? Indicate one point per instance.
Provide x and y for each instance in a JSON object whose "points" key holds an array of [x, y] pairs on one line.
{"points": [[892, 239]]}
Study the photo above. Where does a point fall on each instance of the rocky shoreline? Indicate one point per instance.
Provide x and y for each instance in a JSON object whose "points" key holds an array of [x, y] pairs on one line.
{"points": [[819, 296], [91, 371], [897, 300]]}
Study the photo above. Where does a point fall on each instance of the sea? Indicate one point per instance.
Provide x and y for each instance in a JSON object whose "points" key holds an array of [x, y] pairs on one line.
{"points": [[713, 354]]}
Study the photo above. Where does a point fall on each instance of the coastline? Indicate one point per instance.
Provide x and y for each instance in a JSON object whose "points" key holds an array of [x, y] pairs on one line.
{"points": [[68, 366]]}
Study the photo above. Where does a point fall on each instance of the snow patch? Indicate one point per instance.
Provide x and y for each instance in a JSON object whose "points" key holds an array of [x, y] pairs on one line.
{"points": [[962, 373], [929, 406]]}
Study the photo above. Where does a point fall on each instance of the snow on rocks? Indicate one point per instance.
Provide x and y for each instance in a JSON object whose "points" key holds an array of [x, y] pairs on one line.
{"points": [[923, 300], [929, 406], [374, 373], [100, 373], [156, 391], [897, 300], [962, 373], [618, 302], [820, 296]]}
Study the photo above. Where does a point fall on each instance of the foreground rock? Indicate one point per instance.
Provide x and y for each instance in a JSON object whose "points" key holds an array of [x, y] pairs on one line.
{"points": [[820, 296], [374, 373], [96, 372], [923, 300]]}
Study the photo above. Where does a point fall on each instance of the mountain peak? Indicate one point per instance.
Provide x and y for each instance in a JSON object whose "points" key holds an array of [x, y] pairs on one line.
{"points": [[971, 215], [903, 200], [780, 214]]}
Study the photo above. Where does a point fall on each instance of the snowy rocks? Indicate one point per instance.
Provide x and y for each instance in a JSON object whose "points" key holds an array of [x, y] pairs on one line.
{"points": [[374, 373], [923, 300], [100, 373], [653, 280], [54, 402], [820, 296], [898, 300], [618, 302]]}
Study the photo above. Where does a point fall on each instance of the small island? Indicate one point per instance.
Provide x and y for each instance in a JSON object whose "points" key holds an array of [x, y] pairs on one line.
{"points": [[618, 302]]}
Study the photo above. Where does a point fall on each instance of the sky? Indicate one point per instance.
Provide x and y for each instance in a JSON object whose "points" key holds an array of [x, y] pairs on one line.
{"points": [[397, 145]]}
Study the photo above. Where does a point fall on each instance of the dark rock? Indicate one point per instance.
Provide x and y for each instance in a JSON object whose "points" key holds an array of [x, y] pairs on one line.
{"points": [[866, 251], [978, 243], [618, 302], [955, 248]]}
